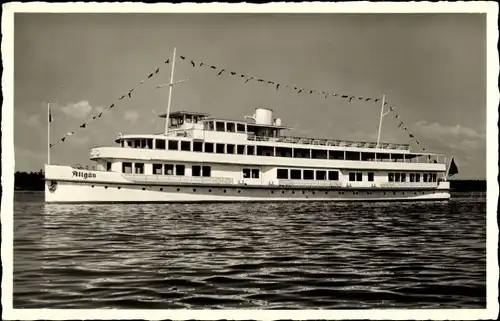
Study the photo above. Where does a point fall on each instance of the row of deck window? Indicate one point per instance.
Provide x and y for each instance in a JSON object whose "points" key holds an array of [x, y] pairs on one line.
{"points": [[412, 177], [358, 176], [167, 169], [220, 148], [307, 174]]}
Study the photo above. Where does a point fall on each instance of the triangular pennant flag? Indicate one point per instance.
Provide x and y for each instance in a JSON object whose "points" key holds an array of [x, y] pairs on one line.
{"points": [[62, 139], [260, 80], [83, 125], [220, 73], [213, 67], [242, 76], [94, 117], [167, 61], [248, 79], [367, 99], [411, 136], [270, 82], [386, 103], [233, 73], [70, 134], [201, 64], [182, 57], [100, 114], [391, 108], [344, 96], [130, 93], [423, 149], [150, 75], [453, 167], [299, 91], [157, 70], [111, 106], [192, 63], [417, 142], [360, 98], [142, 81], [334, 94], [277, 86], [121, 97], [377, 99], [51, 145], [350, 98]]}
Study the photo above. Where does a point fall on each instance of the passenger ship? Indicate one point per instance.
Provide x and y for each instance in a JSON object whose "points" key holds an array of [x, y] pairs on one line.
{"points": [[199, 158]]}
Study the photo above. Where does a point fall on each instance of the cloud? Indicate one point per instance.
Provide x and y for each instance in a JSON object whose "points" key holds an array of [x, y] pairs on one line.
{"points": [[131, 116], [33, 121], [436, 130], [77, 110]]}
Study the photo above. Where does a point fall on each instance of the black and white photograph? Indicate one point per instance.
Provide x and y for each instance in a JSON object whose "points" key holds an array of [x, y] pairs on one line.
{"points": [[246, 161]]}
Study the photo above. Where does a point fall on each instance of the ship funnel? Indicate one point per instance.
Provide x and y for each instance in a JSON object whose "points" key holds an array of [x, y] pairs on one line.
{"points": [[263, 116]]}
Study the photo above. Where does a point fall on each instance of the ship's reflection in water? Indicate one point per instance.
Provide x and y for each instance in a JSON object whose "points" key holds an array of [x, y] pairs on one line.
{"points": [[247, 255]]}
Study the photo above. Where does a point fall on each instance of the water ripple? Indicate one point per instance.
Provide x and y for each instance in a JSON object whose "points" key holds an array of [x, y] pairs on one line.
{"points": [[267, 256]]}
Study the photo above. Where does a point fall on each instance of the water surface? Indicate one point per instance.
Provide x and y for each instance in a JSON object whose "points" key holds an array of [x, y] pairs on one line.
{"points": [[250, 255]]}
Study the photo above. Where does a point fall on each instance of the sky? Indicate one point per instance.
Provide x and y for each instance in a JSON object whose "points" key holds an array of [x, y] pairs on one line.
{"points": [[432, 68]]}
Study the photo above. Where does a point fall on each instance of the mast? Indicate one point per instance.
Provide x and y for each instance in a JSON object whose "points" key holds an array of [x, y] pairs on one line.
{"points": [[380, 121], [170, 92], [49, 120]]}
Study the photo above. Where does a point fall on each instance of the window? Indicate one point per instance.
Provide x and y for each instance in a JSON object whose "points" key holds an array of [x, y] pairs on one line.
{"points": [[403, 177], [127, 168], [196, 170], [209, 126], [139, 168], [425, 177], [295, 174], [219, 126], [282, 173], [219, 148], [434, 177], [255, 173], [160, 144], [417, 177], [321, 175], [149, 143], [308, 174], [180, 170], [336, 154], [397, 177], [391, 177], [319, 154], [359, 177], [137, 143], [240, 128], [333, 175], [371, 176], [169, 169], [186, 146], [157, 169], [230, 127], [250, 150], [352, 177], [246, 172], [108, 166], [230, 148], [412, 177], [206, 171], [197, 146], [240, 149], [209, 147], [173, 145]]}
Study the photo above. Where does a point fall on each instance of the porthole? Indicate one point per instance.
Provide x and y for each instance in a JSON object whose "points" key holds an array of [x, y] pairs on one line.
{"points": [[194, 189], [178, 189], [92, 186], [313, 192], [282, 192], [303, 192], [403, 193], [210, 191], [340, 193], [293, 192], [272, 192], [224, 191], [393, 193], [105, 187], [161, 189], [239, 191], [143, 189], [326, 193], [119, 187]]}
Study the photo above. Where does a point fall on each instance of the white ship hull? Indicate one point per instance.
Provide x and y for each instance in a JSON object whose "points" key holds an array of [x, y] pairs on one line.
{"points": [[115, 188]]}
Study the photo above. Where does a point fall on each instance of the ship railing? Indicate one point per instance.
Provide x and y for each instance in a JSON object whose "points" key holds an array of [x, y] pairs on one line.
{"points": [[142, 178], [326, 142], [409, 185], [308, 183], [88, 167]]}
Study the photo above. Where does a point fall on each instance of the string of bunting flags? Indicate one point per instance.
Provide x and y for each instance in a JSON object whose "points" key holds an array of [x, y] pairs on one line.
{"points": [[127, 95], [247, 78]]}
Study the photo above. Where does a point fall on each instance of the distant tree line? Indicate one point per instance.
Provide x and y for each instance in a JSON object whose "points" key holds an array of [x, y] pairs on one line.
{"points": [[34, 181]]}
